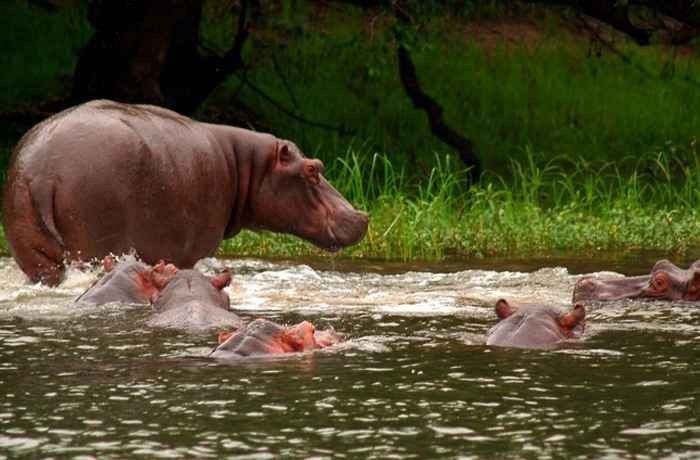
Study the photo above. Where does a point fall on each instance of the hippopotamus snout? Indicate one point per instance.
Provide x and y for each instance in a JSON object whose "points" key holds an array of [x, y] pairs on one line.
{"points": [[665, 282], [346, 227], [590, 288]]}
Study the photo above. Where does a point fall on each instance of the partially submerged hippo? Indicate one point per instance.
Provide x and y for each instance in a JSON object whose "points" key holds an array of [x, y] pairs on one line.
{"points": [[263, 337], [539, 327], [666, 281], [181, 299], [193, 301], [128, 281], [106, 177]]}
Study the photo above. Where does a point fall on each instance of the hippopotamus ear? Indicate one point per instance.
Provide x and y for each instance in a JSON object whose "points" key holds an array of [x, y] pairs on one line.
{"points": [[221, 280], [108, 263], [503, 309], [572, 318], [225, 335], [693, 292], [153, 282], [284, 154]]}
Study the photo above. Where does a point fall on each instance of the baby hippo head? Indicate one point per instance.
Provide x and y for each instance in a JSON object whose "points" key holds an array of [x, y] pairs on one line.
{"points": [[128, 281], [539, 327], [263, 337], [193, 301]]}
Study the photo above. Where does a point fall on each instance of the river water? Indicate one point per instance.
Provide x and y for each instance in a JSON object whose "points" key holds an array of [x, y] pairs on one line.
{"points": [[414, 380]]}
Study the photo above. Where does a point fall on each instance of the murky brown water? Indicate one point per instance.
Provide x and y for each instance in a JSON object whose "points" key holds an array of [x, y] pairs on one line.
{"points": [[413, 381]]}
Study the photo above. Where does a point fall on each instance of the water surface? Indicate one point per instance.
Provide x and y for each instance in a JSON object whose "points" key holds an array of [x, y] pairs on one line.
{"points": [[415, 379]]}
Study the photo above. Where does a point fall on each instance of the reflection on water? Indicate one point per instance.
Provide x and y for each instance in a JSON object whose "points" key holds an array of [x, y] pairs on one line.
{"points": [[415, 379]]}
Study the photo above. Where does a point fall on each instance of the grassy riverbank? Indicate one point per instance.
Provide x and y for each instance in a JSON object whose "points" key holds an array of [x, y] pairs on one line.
{"points": [[563, 206], [575, 207], [584, 150]]}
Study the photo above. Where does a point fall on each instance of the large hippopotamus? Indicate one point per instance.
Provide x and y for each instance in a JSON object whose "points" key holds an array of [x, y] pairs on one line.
{"points": [[535, 326], [105, 177], [665, 282], [263, 337]]}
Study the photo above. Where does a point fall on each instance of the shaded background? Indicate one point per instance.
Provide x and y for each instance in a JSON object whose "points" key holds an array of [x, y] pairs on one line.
{"points": [[556, 79]]}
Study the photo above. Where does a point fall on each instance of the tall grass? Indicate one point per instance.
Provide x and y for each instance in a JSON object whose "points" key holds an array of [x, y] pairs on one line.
{"points": [[563, 206]]}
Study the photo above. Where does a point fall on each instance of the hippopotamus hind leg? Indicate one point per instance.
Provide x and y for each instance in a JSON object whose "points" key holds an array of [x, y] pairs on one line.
{"points": [[34, 238]]}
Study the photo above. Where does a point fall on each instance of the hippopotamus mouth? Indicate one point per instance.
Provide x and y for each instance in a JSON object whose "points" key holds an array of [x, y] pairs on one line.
{"points": [[349, 232]]}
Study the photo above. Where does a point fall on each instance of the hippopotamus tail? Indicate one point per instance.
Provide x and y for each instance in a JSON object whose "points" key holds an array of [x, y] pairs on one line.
{"points": [[31, 230]]}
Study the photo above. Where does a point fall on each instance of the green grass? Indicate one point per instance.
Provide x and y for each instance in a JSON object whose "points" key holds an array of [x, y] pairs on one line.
{"points": [[563, 206]]}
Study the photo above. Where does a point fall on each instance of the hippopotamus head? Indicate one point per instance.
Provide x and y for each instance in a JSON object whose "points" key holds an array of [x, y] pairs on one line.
{"points": [[535, 326], [128, 281], [193, 301], [666, 281], [294, 197], [263, 337]]}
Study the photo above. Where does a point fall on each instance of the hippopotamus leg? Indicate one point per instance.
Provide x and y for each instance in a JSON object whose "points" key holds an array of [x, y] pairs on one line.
{"points": [[35, 245]]}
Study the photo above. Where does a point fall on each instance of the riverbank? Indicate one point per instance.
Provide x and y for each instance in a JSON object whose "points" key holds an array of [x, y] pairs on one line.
{"points": [[562, 207]]}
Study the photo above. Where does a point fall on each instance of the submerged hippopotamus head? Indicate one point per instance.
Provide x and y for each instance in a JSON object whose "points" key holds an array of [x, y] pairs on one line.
{"points": [[294, 197], [666, 281], [535, 326], [263, 337], [193, 301], [128, 281]]}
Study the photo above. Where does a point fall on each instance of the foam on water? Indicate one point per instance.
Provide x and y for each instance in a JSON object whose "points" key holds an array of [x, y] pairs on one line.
{"points": [[261, 286]]}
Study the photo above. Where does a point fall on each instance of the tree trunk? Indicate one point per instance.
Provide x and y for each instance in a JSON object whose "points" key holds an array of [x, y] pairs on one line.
{"points": [[147, 51]]}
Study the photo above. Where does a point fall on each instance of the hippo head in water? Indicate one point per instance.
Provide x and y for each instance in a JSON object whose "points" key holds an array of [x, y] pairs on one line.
{"points": [[128, 281], [191, 300], [263, 337], [666, 281], [538, 327], [294, 197]]}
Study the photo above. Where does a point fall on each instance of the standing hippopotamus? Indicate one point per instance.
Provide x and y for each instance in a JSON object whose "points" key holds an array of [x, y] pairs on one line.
{"points": [[263, 337], [193, 301], [128, 281], [105, 177], [535, 326], [666, 281]]}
